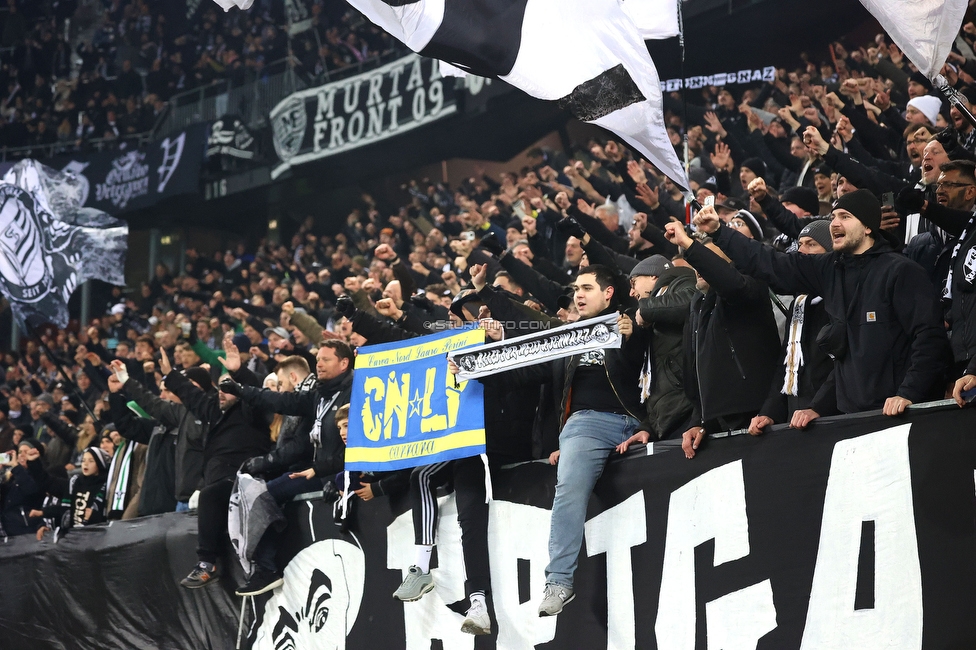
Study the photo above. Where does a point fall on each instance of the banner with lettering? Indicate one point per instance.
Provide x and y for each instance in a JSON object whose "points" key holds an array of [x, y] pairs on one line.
{"points": [[855, 535], [343, 115], [408, 410], [130, 179]]}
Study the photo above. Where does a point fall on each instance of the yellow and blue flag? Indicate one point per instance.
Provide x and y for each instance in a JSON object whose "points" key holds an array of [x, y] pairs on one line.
{"points": [[407, 410]]}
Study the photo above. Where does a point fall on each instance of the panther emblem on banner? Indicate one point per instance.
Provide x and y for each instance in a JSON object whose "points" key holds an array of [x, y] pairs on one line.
{"points": [[288, 127]]}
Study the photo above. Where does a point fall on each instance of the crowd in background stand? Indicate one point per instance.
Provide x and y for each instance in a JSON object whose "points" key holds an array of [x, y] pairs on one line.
{"points": [[141, 53]]}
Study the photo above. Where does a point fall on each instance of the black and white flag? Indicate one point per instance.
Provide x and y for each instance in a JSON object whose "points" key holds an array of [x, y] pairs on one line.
{"points": [[49, 244], [587, 54]]}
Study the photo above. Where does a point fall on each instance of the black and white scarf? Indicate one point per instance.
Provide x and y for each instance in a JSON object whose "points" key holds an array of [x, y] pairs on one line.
{"points": [[794, 348]]}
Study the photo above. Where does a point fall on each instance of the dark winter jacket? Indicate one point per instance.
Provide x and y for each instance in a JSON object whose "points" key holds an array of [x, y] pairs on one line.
{"points": [[815, 388], [316, 407], [731, 341], [233, 436], [23, 492], [880, 301], [190, 434], [158, 485], [962, 311], [622, 365], [77, 494], [665, 313]]}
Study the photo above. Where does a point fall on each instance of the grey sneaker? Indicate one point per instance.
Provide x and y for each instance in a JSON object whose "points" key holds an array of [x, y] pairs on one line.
{"points": [[554, 598], [414, 586], [477, 621]]}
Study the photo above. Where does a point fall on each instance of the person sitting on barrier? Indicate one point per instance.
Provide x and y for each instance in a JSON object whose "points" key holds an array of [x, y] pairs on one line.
{"points": [[886, 334], [81, 497], [730, 340], [236, 431], [315, 446], [598, 395]]}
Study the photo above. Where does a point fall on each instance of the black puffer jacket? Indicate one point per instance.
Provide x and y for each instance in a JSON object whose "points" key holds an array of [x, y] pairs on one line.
{"points": [[234, 435], [881, 301], [731, 341]]}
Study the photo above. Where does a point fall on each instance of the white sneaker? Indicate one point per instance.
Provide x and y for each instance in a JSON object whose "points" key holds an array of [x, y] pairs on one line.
{"points": [[477, 620], [554, 598]]}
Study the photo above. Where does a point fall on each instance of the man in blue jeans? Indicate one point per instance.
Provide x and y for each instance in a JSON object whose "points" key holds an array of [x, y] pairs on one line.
{"points": [[598, 396]]}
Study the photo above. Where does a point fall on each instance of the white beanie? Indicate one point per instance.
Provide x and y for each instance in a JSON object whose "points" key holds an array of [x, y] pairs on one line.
{"points": [[927, 105]]}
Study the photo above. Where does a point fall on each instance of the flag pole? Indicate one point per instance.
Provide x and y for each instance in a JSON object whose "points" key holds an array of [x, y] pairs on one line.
{"points": [[954, 97], [684, 114]]}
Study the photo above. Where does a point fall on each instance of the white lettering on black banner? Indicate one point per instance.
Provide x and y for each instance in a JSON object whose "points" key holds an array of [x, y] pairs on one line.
{"points": [[354, 112]]}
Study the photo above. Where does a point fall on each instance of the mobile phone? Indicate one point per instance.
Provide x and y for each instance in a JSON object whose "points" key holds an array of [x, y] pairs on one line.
{"points": [[6, 457], [888, 200], [467, 235], [709, 201]]}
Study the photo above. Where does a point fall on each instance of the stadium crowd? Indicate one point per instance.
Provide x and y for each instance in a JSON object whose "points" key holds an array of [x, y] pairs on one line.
{"points": [[830, 271], [116, 82]]}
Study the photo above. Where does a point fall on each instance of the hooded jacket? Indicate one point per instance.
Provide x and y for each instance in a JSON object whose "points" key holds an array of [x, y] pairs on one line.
{"points": [[882, 302], [731, 340]]}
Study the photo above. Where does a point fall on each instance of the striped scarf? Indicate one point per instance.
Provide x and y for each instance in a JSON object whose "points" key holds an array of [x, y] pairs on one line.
{"points": [[120, 471], [794, 347], [947, 287]]}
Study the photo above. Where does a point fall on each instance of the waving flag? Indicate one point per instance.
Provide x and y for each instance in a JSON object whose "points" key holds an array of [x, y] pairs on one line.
{"points": [[49, 244], [587, 54], [923, 29]]}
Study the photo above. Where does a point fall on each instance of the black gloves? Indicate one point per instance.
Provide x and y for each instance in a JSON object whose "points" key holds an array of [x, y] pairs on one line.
{"points": [[257, 465], [231, 387], [909, 201], [571, 227], [345, 306]]}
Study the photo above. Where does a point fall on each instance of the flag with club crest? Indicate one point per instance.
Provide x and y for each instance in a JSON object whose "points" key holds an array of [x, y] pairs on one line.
{"points": [[49, 244]]}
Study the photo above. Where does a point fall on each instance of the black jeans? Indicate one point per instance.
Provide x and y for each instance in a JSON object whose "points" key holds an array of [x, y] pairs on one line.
{"points": [[468, 476], [212, 518]]}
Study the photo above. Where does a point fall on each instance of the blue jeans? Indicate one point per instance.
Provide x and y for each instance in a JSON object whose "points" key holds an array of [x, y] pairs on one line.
{"points": [[182, 506], [585, 442]]}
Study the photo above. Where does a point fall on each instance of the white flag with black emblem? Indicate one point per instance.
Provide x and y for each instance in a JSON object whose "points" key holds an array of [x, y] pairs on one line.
{"points": [[49, 244], [587, 54]]}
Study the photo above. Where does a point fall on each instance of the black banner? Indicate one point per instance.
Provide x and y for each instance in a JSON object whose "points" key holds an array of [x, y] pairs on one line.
{"points": [[119, 181], [369, 107], [856, 534]]}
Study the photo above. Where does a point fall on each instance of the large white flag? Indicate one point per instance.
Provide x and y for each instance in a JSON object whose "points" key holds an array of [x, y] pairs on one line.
{"points": [[923, 29], [655, 19], [587, 54]]}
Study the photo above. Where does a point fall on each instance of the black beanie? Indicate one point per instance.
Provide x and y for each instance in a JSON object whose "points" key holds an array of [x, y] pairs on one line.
{"points": [[757, 166], [199, 376], [803, 197], [864, 205]]}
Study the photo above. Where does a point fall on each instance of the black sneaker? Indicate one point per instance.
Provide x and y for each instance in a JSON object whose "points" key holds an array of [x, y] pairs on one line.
{"points": [[201, 576], [260, 581]]}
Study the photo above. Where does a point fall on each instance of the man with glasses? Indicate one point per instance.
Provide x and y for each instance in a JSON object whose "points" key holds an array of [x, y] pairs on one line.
{"points": [[953, 212]]}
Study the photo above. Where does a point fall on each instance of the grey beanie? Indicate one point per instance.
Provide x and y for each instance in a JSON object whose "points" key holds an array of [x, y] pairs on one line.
{"points": [[819, 231], [654, 265]]}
